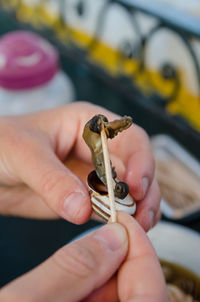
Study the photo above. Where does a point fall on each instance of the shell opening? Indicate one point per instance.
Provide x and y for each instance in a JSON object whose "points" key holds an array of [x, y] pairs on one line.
{"points": [[96, 184]]}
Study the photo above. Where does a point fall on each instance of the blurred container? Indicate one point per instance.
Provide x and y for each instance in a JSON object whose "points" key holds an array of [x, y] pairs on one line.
{"points": [[178, 174], [178, 248], [177, 244], [30, 78]]}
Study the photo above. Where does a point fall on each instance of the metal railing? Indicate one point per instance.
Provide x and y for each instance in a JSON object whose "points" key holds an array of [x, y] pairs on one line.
{"points": [[183, 25]]}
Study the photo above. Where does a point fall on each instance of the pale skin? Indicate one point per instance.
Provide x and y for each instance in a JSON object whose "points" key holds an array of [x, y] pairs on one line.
{"points": [[34, 182], [86, 270]]}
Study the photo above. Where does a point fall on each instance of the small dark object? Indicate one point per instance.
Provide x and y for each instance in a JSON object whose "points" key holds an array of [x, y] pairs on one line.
{"points": [[121, 189]]}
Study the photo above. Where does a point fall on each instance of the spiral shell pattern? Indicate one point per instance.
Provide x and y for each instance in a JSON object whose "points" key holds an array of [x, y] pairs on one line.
{"points": [[101, 204]]}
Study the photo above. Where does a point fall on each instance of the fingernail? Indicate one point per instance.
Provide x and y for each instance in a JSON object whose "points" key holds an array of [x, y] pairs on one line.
{"points": [[145, 185], [112, 237], [72, 205], [151, 218]]}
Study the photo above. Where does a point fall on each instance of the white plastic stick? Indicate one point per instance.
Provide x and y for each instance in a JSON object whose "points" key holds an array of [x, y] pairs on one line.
{"points": [[108, 170]]}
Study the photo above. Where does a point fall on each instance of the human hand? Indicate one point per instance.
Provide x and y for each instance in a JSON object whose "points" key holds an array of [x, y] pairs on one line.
{"points": [[92, 269], [34, 181]]}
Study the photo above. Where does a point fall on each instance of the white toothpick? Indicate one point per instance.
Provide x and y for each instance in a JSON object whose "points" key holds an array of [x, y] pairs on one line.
{"points": [[108, 170]]}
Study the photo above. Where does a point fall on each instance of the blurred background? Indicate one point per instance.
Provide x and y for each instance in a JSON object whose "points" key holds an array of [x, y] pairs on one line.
{"points": [[134, 57]]}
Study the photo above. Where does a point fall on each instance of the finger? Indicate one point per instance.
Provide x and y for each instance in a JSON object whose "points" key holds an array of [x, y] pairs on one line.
{"points": [[140, 278], [140, 173], [75, 270], [56, 184], [108, 292], [148, 208], [23, 202]]}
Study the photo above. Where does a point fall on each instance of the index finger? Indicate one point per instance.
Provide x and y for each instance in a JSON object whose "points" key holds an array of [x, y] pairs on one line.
{"points": [[140, 278]]}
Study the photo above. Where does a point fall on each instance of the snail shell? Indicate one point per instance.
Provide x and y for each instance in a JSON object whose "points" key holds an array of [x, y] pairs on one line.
{"points": [[100, 200]]}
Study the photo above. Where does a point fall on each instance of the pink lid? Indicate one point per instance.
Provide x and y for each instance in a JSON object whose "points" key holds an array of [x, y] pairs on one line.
{"points": [[26, 60]]}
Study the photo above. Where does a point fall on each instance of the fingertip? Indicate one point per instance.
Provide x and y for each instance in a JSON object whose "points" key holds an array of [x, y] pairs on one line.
{"points": [[135, 187], [108, 292], [145, 185], [140, 173], [84, 213], [76, 207], [123, 217], [128, 222], [144, 220], [138, 184], [138, 241], [147, 213], [115, 237], [67, 195]]}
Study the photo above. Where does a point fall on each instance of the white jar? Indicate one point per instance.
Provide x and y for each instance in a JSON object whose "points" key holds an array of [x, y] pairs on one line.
{"points": [[30, 79]]}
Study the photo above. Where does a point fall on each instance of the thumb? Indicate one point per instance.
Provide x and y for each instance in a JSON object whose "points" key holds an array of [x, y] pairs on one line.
{"points": [[55, 183], [75, 270]]}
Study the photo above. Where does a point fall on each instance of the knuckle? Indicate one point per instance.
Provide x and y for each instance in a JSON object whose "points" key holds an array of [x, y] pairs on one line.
{"points": [[141, 133], [18, 139], [9, 135], [50, 180], [76, 260]]}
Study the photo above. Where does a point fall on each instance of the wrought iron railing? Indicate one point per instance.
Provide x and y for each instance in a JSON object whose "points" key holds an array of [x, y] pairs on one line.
{"points": [[186, 27]]}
